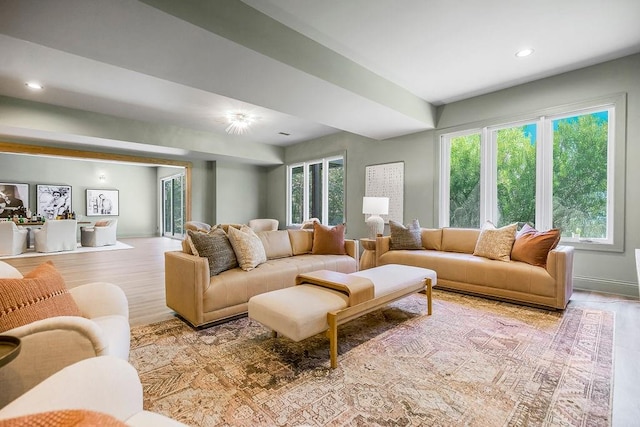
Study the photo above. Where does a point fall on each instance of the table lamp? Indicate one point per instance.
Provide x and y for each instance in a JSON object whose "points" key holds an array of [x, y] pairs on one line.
{"points": [[375, 206]]}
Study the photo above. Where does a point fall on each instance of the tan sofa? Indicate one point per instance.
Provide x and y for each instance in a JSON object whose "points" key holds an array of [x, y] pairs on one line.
{"points": [[449, 252], [201, 299]]}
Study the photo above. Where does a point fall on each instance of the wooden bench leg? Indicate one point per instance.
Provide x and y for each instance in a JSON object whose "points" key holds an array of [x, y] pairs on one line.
{"points": [[332, 332], [429, 301]]}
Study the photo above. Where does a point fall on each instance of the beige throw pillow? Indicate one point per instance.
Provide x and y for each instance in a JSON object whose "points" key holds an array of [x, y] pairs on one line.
{"points": [[247, 246], [496, 243]]}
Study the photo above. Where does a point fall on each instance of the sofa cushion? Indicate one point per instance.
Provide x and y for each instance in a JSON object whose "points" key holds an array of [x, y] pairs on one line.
{"points": [[301, 241], [8, 271], [328, 240], [533, 246], [431, 238], [214, 246], [496, 243], [247, 246], [235, 287], [276, 243], [461, 240], [41, 294], [408, 237]]}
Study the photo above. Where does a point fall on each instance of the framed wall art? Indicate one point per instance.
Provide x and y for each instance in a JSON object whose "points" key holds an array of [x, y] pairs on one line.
{"points": [[103, 203], [387, 180], [14, 199], [53, 200]]}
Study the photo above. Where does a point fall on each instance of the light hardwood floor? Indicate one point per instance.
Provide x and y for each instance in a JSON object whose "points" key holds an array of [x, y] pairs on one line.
{"points": [[140, 273]]}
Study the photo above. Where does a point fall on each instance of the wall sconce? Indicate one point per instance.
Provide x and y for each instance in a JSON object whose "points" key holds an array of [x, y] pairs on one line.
{"points": [[102, 177], [375, 206]]}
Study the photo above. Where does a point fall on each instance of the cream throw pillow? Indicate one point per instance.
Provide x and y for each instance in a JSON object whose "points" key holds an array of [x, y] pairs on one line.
{"points": [[496, 243], [247, 246]]}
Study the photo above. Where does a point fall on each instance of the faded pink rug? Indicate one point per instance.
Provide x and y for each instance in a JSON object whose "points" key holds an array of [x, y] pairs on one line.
{"points": [[474, 362]]}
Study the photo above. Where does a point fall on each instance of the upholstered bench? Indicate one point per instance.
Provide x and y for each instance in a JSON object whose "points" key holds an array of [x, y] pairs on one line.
{"points": [[324, 299]]}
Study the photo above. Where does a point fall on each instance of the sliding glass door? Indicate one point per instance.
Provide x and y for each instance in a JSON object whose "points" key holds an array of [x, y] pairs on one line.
{"points": [[173, 206]]}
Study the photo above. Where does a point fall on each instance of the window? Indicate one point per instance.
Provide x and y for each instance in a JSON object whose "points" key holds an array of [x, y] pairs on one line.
{"points": [[316, 190], [553, 171]]}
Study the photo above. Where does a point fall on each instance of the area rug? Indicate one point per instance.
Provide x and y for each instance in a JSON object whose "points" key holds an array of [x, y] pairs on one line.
{"points": [[474, 362], [81, 249]]}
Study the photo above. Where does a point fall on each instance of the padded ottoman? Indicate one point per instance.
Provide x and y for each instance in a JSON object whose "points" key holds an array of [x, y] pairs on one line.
{"points": [[322, 300]]}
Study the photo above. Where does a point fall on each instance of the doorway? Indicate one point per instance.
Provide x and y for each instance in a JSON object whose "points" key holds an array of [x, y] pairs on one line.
{"points": [[173, 206]]}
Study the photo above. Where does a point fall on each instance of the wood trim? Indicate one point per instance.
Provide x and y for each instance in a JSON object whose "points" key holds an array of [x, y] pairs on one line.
{"points": [[39, 150]]}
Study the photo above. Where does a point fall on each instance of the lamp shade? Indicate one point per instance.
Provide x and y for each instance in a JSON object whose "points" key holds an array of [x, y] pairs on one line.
{"points": [[375, 205]]}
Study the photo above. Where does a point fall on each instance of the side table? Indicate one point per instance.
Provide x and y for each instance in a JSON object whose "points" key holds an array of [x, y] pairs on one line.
{"points": [[368, 257]]}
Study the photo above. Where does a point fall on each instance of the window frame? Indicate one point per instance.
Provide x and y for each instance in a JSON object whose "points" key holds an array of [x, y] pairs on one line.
{"points": [[324, 161], [616, 165]]}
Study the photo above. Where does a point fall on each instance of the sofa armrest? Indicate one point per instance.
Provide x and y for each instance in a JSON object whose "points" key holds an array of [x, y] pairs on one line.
{"points": [[100, 299], [560, 267], [47, 346], [383, 245], [103, 384], [186, 277], [352, 248]]}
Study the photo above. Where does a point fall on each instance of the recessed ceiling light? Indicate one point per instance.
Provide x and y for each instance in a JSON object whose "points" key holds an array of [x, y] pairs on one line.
{"points": [[524, 52], [34, 85]]}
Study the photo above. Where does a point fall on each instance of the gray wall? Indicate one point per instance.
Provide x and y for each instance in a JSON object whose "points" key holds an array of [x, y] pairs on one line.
{"points": [[241, 192], [602, 271], [136, 185]]}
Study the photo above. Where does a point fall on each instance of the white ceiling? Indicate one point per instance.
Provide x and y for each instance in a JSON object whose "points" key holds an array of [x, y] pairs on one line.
{"points": [[375, 68]]}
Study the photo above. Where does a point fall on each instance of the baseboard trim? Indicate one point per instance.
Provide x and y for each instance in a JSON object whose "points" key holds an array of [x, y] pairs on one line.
{"points": [[616, 287]]}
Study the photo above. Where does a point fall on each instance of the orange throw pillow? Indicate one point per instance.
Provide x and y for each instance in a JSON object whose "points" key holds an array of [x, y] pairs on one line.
{"points": [[65, 418], [328, 240], [41, 294], [533, 246]]}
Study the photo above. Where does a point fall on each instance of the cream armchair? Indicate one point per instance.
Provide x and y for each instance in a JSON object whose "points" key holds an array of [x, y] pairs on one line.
{"points": [[107, 385], [56, 235], [51, 344], [103, 233], [13, 240], [264, 224]]}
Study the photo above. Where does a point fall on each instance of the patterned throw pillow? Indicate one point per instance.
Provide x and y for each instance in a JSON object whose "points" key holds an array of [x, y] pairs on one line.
{"points": [[328, 240], [41, 294], [496, 243], [402, 237], [533, 246], [216, 248], [248, 247]]}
